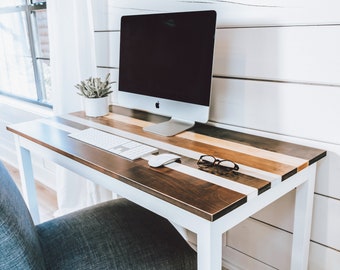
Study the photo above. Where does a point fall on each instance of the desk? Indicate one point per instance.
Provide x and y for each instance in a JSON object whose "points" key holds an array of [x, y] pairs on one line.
{"points": [[204, 203]]}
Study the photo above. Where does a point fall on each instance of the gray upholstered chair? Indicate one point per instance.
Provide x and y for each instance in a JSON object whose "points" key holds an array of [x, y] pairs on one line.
{"points": [[114, 235]]}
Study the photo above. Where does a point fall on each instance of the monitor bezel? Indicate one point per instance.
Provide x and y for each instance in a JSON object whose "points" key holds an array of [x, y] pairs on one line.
{"points": [[186, 112]]}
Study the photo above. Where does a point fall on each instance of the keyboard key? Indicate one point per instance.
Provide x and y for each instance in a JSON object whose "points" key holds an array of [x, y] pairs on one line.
{"points": [[113, 143]]}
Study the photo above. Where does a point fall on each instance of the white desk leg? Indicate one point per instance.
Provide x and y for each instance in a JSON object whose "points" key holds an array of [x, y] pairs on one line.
{"points": [[27, 180], [209, 250], [303, 221]]}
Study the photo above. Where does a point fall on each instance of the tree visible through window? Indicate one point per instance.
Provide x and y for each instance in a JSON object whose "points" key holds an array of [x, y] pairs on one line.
{"points": [[24, 51]]}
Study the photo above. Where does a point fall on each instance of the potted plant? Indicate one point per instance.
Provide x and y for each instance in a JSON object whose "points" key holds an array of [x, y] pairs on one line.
{"points": [[96, 95]]}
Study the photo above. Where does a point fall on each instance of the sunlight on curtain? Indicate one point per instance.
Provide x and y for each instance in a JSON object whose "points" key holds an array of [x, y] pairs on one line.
{"points": [[72, 56]]}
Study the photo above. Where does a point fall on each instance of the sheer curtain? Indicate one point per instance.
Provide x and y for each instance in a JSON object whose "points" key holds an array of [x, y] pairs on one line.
{"points": [[72, 54]]}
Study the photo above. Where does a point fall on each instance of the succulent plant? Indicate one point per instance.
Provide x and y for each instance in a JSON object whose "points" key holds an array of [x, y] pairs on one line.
{"points": [[95, 87]]}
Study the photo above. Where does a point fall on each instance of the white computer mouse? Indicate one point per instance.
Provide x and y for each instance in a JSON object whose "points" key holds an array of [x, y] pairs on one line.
{"points": [[162, 159]]}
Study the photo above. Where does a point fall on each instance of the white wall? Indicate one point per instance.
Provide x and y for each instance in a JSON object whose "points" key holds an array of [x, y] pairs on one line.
{"points": [[276, 74]]}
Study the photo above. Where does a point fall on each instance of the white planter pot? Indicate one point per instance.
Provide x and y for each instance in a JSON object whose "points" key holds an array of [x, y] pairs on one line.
{"points": [[95, 107]]}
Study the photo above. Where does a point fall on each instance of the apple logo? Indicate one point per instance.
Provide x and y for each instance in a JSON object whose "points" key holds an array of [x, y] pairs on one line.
{"points": [[157, 105]]}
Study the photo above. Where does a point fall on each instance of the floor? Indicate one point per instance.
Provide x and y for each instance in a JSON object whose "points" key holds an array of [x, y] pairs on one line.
{"points": [[47, 198]]}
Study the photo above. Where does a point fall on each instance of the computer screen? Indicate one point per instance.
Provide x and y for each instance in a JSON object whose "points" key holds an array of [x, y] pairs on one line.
{"points": [[166, 66]]}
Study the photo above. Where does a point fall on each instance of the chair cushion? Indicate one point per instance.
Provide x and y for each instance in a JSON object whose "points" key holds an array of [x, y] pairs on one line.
{"points": [[19, 244], [114, 235]]}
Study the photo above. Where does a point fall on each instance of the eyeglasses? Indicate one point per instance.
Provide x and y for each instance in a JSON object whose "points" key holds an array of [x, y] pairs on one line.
{"points": [[216, 166]]}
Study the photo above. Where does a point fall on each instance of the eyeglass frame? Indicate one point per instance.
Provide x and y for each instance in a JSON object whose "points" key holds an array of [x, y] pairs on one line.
{"points": [[215, 165]]}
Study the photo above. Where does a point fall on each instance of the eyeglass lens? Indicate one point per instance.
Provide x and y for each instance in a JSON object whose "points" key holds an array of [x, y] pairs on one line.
{"points": [[210, 163], [206, 161]]}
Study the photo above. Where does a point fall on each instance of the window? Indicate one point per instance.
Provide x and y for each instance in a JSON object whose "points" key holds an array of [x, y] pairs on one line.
{"points": [[24, 51]]}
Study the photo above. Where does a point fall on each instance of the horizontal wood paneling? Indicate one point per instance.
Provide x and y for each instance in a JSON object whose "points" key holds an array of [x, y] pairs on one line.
{"points": [[323, 258], [232, 259], [326, 222], [288, 54], [280, 213], [326, 219], [230, 13], [237, 101], [263, 242], [325, 233], [320, 258], [286, 108], [328, 174], [307, 54]]}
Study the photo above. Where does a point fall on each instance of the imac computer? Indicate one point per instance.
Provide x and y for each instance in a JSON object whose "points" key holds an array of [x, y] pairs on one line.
{"points": [[165, 67]]}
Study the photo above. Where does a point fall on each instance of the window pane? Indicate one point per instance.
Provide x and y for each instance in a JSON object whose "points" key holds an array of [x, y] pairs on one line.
{"points": [[45, 70], [17, 75], [11, 3], [42, 41], [38, 1]]}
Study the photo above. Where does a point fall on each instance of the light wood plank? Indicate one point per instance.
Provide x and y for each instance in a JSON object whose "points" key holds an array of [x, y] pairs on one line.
{"points": [[238, 147]]}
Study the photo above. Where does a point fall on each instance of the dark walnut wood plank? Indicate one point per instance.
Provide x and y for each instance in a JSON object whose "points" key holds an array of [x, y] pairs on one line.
{"points": [[283, 170], [291, 149], [205, 199]]}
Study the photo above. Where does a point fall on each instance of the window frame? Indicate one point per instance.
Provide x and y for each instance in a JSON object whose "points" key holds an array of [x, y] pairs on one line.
{"points": [[32, 31]]}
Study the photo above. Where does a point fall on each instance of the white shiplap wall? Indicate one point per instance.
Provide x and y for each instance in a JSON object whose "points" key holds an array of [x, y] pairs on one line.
{"points": [[276, 74]]}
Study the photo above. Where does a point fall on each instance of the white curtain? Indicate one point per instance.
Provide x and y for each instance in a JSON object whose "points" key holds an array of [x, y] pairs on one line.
{"points": [[72, 54]]}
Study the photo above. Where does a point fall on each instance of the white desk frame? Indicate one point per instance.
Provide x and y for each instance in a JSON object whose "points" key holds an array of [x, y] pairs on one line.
{"points": [[209, 234]]}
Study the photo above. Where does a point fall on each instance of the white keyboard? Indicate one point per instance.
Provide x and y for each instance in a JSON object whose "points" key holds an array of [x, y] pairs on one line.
{"points": [[115, 144]]}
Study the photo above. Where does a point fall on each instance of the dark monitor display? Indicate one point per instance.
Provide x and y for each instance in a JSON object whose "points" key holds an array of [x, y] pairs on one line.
{"points": [[166, 63]]}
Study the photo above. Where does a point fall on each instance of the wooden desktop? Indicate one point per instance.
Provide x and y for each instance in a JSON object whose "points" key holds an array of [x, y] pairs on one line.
{"points": [[202, 202]]}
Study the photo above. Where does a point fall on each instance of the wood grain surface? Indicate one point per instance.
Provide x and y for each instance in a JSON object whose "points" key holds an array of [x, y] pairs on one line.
{"points": [[203, 198]]}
